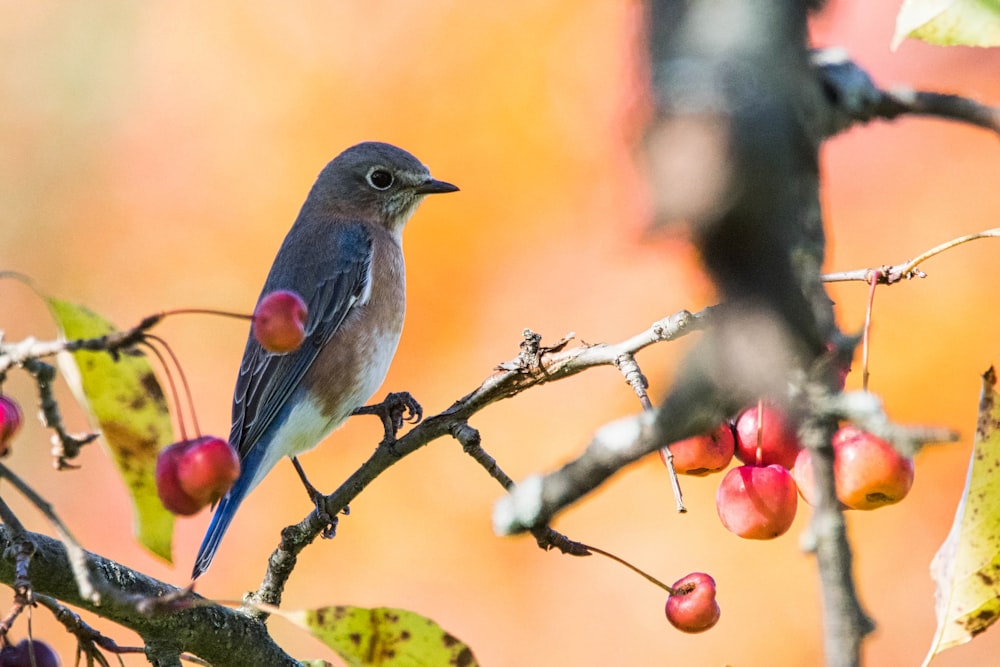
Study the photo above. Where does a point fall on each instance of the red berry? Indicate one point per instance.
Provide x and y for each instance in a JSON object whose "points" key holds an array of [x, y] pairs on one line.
{"points": [[703, 454], [802, 473], [168, 486], [757, 502], [779, 443], [207, 468], [10, 422], [692, 606], [805, 479], [20, 655], [869, 472], [279, 322]]}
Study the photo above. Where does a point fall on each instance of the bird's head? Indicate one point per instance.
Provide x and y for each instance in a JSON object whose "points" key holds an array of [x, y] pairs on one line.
{"points": [[375, 181]]}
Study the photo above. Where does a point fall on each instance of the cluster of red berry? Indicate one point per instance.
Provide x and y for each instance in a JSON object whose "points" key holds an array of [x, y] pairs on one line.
{"points": [[758, 500], [192, 474]]}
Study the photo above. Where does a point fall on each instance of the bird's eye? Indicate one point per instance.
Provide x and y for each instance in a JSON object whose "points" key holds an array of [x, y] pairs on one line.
{"points": [[380, 179]]}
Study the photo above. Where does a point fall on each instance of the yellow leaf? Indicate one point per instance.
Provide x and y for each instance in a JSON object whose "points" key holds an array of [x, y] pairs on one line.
{"points": [[128, 404], [966, 568], [949, 22], [383, 637]]}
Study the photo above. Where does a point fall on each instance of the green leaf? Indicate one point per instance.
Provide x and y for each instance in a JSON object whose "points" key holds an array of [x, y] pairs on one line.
{"points": [[966, 568], [127, 402], [949, 22], [383, 637]]}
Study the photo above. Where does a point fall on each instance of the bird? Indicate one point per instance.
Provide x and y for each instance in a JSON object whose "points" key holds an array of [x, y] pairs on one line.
{"points": [[343, 255]]}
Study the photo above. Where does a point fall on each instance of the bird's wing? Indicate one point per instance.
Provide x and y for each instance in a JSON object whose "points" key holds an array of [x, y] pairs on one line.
{"points": [[266, 380]]}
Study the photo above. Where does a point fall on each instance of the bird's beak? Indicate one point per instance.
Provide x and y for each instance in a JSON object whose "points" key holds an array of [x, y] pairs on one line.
{"points": [[432, 186]]}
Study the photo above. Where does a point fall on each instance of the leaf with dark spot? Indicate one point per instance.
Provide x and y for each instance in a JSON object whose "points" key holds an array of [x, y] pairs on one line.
{"points": [[383, 637], [966, 568], [127, 402]]}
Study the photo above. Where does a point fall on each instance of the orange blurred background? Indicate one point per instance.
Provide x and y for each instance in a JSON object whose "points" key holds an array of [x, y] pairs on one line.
{"points": [[153, 155]]}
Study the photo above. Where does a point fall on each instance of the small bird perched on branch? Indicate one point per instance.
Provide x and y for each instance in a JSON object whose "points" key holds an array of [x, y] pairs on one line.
{"points": [[344, 257]]}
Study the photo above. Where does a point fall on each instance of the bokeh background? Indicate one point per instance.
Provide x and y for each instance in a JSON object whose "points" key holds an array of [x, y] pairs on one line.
{"points": [[152, 156]]}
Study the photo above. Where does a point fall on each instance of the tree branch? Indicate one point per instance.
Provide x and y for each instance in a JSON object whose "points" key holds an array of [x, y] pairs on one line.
{"points": [[854, 98], [190, 624], [535, 365], [889, 275]]}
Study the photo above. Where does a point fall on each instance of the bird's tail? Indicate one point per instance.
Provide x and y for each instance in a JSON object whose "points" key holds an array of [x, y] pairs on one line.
{"points": [[224, 513], [252, 468]]}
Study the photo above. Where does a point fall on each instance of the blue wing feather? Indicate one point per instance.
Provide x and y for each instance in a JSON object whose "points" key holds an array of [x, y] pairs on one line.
{"points": [[332, 271]]}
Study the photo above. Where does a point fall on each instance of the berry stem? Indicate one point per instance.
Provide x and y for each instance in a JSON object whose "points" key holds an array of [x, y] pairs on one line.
{"points": [[206, 311], [173, 386], [876, 275], [622, 561], [192, 413]]}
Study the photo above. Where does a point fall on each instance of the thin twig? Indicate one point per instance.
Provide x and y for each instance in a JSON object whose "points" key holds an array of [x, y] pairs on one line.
{"points": [[114, 343], [629, 367], [88, 638], [854, 98], [65, 446], [897, 102], [909, 267], [77, 557], [889, 275], [545, 537]]}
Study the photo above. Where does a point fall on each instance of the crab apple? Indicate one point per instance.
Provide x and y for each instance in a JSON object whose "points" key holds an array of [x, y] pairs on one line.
{"points": [[702, 454], [757, 502], [779, 443], [802, 473], [207, 469], [21, 654], [10, 421], [168, 486], [869, 472], [193, 473], [805, 479], [279, 321], [692, 606]]}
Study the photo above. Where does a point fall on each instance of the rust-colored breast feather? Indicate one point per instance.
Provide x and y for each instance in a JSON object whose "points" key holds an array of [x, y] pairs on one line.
{"points": [[368, 337]]}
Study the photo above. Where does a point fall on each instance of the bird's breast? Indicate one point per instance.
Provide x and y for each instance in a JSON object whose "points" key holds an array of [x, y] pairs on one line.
{"points": [[354, 363]]}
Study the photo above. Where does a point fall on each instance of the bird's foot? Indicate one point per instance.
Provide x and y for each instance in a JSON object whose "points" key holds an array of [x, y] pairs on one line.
{"points": [[330, 529], [397, 408], [330, 521], [319, 500]]}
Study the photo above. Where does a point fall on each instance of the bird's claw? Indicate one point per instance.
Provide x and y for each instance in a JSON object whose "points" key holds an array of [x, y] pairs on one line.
{"points": [[399, 407], [330, 521], [402, 407]]}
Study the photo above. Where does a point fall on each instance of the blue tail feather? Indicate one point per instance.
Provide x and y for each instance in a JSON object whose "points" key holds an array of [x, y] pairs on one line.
{"points": [[226, 510], [223, 516]]}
